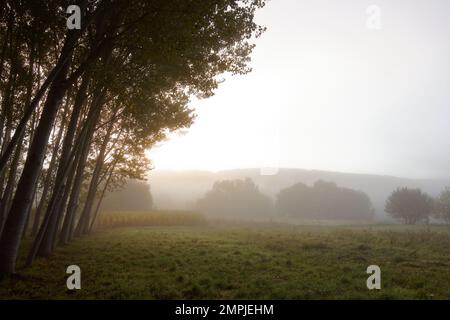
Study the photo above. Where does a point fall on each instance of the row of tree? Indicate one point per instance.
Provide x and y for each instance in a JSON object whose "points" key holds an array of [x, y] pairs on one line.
{"points": [[414, 205], [237, 199], [80, 107], [324, 200]]}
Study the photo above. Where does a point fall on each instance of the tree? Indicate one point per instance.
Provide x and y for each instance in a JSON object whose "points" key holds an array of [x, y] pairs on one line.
{"points": [[324, 200], [442, 206], [235, 199], [409, 205], [109, 92]]}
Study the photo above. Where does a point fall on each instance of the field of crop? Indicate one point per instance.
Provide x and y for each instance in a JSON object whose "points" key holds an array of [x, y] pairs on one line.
{"points": [[245, 262], [153, 218]]}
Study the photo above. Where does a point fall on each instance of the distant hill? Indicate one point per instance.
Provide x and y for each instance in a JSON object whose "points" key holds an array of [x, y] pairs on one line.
{"points": [[181, 189]]}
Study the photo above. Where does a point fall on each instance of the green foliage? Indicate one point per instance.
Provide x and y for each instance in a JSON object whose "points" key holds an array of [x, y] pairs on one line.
{"points": [[115, 88], [324, 200], [409, 205], [164, 52], [245, 262]]}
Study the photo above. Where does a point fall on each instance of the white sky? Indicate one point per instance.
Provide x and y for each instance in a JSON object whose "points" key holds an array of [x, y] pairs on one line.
{"points": [[328, 93]]}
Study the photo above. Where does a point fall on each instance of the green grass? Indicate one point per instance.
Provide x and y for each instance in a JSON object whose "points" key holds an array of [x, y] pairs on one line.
{"points": [[240, 262]]}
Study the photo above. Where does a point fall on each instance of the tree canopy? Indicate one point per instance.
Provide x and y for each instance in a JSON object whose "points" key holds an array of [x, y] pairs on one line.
{"points": [[442, 205], [237, 199], [79, 107], [409, 205], [324, 200]]}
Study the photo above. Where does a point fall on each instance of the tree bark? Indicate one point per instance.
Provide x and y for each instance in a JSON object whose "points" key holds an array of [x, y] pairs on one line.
{"points": [[46, 237], [48, 178], [102, 195], [6, 199], [69, 221], [84, 223], [15, 223]]}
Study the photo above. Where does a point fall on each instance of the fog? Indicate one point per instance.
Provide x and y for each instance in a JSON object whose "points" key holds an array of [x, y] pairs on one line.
{"points": [[134, 196], [224, 150], [182, 189], [362, 107], [328, 93]]}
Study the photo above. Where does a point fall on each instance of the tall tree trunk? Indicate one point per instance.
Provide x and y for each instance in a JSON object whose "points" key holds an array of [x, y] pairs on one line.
{"points": [[15, 223], [48, 178], [69, 221], [47, 243], [83, 224], [30, 209], [57, 74], [65, 198], [102, 195], [5, 201], [8, 105], [67, 149], [78, 170]]}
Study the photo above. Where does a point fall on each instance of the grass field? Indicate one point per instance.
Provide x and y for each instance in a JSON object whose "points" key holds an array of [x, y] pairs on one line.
{"points": [[245, 262]]}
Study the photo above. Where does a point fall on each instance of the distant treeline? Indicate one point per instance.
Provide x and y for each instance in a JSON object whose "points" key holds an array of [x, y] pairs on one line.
{"points": [[322, 201], [235, 199], [134, 196]]}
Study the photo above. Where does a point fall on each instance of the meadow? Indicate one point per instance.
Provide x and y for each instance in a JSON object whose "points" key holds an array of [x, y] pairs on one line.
{"points": [[244, 261]]}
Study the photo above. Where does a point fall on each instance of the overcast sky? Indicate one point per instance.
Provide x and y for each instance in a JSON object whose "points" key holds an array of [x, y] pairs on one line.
{"points": [[329, 93]]}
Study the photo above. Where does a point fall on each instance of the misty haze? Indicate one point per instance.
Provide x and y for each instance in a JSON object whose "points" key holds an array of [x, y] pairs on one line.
{"points": [[180, 190], [224, 150]]}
